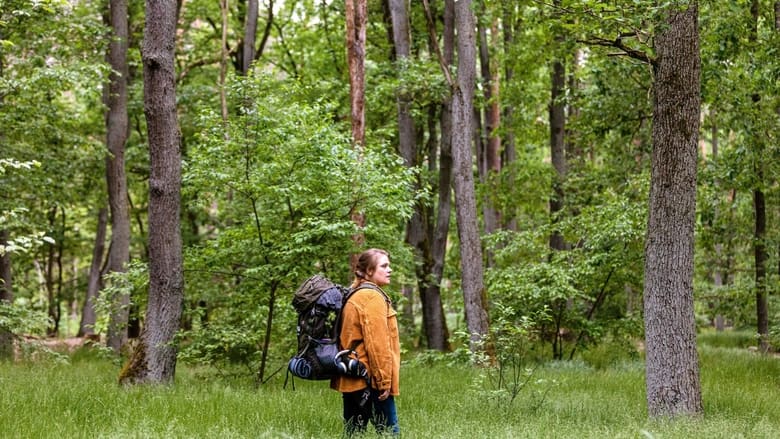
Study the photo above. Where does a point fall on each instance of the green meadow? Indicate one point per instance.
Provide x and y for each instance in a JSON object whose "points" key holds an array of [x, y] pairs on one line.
{"points": [[81, 399]]}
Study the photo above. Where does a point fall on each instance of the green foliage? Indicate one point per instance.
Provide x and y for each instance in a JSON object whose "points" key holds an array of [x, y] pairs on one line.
{"points": [[280, 183], [51, 119], [582, 290], [20, 320], [133, 282]]}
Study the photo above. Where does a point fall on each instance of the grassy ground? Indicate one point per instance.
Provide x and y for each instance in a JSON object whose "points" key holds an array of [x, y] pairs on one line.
{"points": [[741, 392]]}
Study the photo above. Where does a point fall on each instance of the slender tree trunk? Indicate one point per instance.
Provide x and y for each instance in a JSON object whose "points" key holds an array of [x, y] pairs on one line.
{"points": [[117, 124], [509, 153], [416, 232], [472, 283], [492, 145], [53, 260], [154, 360], [434, 318], [94, 284], [717, 270], [6, 274], [760, 255], [6, 295], [672, 369]]}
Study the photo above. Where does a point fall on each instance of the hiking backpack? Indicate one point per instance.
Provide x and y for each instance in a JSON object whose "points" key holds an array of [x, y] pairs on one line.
{"points": [[319, 303]]}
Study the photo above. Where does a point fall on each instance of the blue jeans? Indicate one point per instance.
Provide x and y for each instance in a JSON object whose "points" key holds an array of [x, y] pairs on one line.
{"points": [[382, 414]]}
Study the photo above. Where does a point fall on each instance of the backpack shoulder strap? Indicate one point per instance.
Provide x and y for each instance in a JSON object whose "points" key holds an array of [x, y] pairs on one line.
{"points": [[350, 292], [367, 286]]}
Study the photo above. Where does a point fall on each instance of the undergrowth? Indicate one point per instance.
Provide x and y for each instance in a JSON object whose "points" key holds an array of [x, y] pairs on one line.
{"points": [[441, 398]]}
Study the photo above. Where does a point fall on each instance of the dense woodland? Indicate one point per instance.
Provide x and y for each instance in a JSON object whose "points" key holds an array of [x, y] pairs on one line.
{"points": [[548, 176]]}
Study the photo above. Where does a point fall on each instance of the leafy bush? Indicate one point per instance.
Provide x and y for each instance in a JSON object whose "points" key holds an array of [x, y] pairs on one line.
{"points": [[281, 182], [574, 298]]}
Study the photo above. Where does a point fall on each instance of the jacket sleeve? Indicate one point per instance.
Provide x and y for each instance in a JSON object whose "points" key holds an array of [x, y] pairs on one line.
{"points": [[376, 336]]}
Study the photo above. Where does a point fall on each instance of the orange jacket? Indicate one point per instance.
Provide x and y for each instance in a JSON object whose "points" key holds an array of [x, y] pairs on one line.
{"points": [[369, 321]]}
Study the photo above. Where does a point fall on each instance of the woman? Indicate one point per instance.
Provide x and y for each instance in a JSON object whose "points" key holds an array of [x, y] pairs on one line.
{"points": [[370, 328]]}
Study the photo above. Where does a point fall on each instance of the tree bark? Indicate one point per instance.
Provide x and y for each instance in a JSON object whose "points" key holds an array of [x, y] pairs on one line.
{"points": [[472, 282], [557, 114], [437, 224], [117, 124], [760, 256], [250, 35], [94, 284], [509, 153], [416, 232], [154, 360], [223, 60], [356, 16], [6, 295], [672, 369], [6, 274], [492, 145], [53, 286]]}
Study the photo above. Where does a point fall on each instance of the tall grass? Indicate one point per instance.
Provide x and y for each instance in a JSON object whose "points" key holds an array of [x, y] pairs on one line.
{"points": [[741, 393]]}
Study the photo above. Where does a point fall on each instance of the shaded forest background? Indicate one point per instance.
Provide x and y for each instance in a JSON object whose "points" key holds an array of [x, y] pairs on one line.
{"points": [[272, 176]]}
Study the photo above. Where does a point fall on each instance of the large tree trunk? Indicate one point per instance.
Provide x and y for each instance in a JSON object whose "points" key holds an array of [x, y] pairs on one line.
{"points": [[250, 35], [154, 360], [672, 370], [94, 284], [116, 137], [472, 283]]}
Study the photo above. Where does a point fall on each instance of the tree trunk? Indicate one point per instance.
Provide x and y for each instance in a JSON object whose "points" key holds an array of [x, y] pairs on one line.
{"points": [[760, 255], [672, 370], [416, 232], [356, 16], [250, 35], [94, 284], [433, 316], [6, 295], [117, 124], [557, 111], [760, 258], [718, 273], [472, 283], [509, 153], [492, 145], [54, 258], [154, 360], [434, 319]]}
